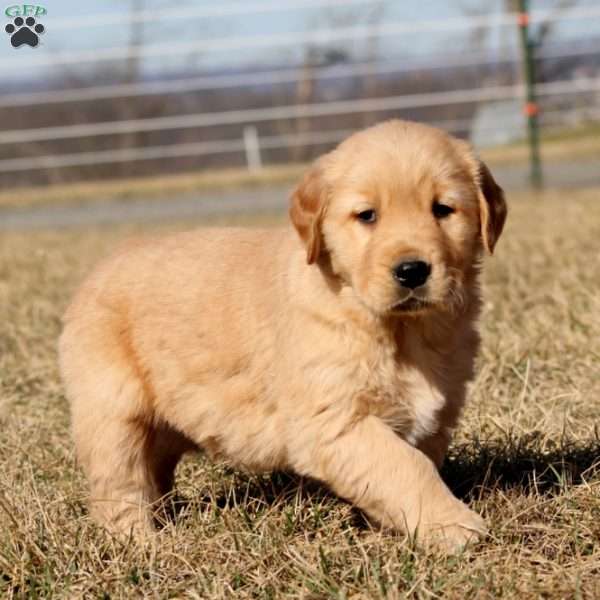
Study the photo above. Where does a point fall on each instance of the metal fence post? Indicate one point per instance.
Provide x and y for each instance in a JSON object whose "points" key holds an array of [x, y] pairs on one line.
{"points": [[531, 107], [252, 147]]}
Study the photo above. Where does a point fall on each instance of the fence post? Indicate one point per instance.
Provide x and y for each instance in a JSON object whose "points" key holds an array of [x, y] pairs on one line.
{"points": [[252, 147], [531, 107]]}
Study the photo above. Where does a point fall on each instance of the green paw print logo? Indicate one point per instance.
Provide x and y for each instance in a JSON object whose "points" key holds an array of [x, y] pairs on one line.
{"points": [[24, 29]]}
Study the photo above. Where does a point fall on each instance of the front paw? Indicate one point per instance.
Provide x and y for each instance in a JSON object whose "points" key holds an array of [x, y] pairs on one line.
{"points": [[452, 533]]}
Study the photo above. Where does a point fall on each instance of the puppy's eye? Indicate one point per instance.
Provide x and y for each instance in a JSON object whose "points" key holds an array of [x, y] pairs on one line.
{"points": [[367, 216], [441, 211]]}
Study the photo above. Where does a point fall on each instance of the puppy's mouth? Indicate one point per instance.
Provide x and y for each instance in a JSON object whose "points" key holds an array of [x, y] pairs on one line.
{"points": [[412, 304]]}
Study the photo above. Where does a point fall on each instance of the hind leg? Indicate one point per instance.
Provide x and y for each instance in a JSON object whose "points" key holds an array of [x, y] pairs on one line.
{"points": [[164, 450], [128, 458], [131, 473], [122, 489]]}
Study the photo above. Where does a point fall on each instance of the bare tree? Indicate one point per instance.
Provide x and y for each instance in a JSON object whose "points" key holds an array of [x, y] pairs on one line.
{"points": [[132, 67], [319, 57]]}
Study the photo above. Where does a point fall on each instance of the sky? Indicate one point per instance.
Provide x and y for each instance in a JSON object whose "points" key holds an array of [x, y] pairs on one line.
{"points": [[23, 63]]}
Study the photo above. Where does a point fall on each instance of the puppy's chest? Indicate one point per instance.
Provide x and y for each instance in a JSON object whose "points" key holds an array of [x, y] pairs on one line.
{"points": [[404, 392]]}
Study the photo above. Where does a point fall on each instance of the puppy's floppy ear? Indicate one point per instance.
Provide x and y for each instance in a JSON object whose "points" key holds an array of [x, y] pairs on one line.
{"points": [[307, 208], [492, 207]]}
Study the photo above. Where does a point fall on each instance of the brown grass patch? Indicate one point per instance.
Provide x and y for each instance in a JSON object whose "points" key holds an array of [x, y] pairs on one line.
{"points": [[149, 187], [526, 455]]}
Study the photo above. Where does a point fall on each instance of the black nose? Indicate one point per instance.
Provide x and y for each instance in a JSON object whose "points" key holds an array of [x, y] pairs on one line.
{"points": [[412, 273]]}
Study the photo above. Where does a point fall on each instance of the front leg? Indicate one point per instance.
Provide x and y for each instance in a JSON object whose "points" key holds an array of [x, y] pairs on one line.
{"points": [[392, 482]]}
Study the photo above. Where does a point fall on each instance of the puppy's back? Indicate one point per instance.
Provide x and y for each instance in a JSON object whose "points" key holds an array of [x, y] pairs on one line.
{"points": [[187, 306], [153, 274]]}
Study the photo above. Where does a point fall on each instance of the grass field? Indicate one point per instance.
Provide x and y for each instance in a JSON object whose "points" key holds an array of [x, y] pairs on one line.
{"points": [[527, 454]]}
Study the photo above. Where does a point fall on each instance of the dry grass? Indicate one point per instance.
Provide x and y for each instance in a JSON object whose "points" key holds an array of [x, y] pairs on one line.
{"points": [[164, 186], [526, 455], [149, 187], [581, 142]]}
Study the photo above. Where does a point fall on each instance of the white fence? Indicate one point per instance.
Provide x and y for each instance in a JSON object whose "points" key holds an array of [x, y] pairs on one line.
{"points": [[247, 119]]}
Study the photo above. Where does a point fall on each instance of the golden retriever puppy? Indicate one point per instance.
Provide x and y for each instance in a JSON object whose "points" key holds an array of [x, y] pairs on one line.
{"points": [[338, 347]]}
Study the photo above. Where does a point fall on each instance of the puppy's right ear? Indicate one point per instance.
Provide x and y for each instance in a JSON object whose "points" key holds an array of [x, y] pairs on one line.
{"points": [[307, 209]]}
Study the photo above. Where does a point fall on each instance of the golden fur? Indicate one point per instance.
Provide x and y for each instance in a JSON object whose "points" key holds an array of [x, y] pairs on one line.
{"points": [[295, 349]]}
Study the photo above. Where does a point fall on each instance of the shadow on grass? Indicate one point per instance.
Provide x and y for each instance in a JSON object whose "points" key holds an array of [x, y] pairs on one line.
{"points": [[531, 463], [251, 493], [277, 487], [472, 470]]}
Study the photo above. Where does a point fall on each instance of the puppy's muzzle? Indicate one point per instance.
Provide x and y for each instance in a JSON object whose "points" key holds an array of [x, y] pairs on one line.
{"points": [[411, 273]]}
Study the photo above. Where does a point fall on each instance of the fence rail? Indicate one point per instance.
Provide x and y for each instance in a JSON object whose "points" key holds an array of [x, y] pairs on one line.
{"points": [[293, 111], [248, 140], [270, 77], [258, 7], [226, 146], [228, 9]]}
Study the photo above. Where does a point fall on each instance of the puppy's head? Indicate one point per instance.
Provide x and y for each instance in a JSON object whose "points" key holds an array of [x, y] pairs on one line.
{"points": [[402, 212]]}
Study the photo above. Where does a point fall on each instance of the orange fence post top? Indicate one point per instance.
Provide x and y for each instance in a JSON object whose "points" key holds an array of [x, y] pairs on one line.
{"points": [[531, 109]]}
